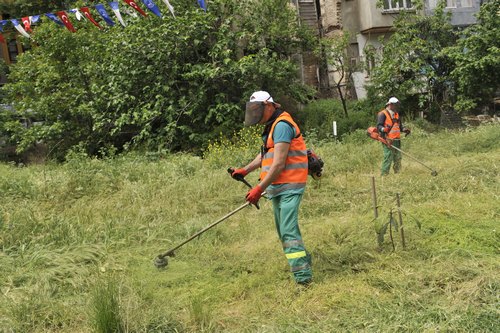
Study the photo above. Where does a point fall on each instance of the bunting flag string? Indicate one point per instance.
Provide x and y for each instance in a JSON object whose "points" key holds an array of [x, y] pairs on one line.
{"points": [[61, 17], [77, 13], [202, 4], [86, 13], [54, 18], [134, 5], [19, 28], [35, 19], [65, 20], [2, 24], [152, 7], [27, 23], [104, 14], [116, 10], [170, 8]]}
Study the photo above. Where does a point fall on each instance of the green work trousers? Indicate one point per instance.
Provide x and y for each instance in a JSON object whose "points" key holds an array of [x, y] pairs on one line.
{"points": [[391, 156], [286, 216]]}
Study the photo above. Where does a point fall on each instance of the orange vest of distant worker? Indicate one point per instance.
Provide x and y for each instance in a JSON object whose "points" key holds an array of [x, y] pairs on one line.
{"points": [[295, 172], [395, 132]]}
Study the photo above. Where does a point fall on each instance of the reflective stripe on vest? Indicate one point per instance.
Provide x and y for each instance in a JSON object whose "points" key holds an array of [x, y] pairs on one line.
{"points": [[294, 175], [395, 132]]}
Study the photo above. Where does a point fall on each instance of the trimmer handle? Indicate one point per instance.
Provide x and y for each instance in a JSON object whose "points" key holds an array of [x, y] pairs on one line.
{"points": [[240, 178]]}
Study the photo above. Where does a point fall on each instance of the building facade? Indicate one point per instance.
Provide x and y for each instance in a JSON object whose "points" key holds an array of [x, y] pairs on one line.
{"points": [[367, 24]]}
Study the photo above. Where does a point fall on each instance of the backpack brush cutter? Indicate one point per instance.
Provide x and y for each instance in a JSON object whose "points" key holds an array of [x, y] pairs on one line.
{"points": [[374, 134]]}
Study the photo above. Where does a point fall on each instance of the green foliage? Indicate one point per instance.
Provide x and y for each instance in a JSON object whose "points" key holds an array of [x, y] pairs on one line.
{"points": [[477, 58], [170, 84], [236, 151], [19, 8], [412, 63], [316, 119], [105, 309]]}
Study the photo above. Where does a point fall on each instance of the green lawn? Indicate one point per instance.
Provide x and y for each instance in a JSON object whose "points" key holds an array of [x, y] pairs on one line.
{"points": [[78, 242]]}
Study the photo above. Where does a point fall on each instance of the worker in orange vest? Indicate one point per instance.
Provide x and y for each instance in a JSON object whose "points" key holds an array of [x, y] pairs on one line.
{"points": [[284, 169], [389, 126]]}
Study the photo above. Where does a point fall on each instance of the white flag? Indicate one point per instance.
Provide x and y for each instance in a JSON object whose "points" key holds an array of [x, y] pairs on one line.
{"points": [[169, 7], [116, 10], [20, 28]]}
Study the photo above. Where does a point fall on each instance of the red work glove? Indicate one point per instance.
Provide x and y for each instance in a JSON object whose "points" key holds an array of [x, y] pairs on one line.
{"points": [[239, 173], [387, 129], [254, 195]]}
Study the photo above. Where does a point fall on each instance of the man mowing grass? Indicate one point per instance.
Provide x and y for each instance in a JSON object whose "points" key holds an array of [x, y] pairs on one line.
{"points": [[284, 170]]}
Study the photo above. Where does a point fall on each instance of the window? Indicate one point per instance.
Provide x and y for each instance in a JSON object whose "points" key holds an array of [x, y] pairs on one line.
{"points": [[451, 3], [13, 50], [466, 3], [397, 4]]}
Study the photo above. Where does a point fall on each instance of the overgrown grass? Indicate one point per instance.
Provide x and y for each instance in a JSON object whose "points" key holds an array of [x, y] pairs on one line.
{"points": [[77, 243]]}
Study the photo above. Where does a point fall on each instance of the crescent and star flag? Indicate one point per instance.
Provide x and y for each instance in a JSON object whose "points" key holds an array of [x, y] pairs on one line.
{"points": [[64, 18], [169, 7], [27, 23], [202, 4], [86, 13], [19, 28], [116, 10], [102, 11], [134, 5], [54, 18], [152, 7]]}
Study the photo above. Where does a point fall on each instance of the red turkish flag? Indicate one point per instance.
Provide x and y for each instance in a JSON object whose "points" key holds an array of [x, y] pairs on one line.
{"points": [[86, 12], [134, 5], [64, 18], [2, 40], [27, 23]]}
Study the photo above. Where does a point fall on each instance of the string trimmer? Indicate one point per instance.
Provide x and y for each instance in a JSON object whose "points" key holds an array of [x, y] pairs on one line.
{"points": [[373, 133], [161, 261]]}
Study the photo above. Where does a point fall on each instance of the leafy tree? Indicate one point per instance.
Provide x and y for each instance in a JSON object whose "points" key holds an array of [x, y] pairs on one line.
{"points": [[477, 58], [335, 50], [20, 8], [161, 84], [412, 62]]}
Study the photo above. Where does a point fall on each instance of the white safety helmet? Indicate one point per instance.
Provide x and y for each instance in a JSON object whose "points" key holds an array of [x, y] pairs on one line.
{"points": [[254, 110]]}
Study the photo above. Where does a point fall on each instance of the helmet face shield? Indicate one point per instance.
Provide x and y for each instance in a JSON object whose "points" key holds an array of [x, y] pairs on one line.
{"points": [[253, 113]]}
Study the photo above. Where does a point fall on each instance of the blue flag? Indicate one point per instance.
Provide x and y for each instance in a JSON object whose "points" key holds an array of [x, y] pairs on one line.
{"points": [[100, 8], [202, 4], [35, 19], [54, 18], [152, 7], [2, 23]]}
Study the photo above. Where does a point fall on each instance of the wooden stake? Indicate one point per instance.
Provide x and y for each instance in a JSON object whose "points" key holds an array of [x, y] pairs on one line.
{"points": [[401, 228], [374, 197]]}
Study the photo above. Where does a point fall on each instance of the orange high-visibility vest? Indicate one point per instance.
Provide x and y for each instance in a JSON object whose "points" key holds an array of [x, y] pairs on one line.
{"points": [[295, 172], [395, 132]]}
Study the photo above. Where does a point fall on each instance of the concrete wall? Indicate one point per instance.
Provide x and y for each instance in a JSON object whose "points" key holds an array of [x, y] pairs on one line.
{"points": [[461, 15]]}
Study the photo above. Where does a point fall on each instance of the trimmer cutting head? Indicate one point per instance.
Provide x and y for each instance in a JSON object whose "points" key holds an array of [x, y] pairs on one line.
{"points": [[161, 262], [434, 173]]}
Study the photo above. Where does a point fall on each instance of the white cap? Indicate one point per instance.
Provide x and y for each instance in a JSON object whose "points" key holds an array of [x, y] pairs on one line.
{"points": [[392, 100], [261, 96]]}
